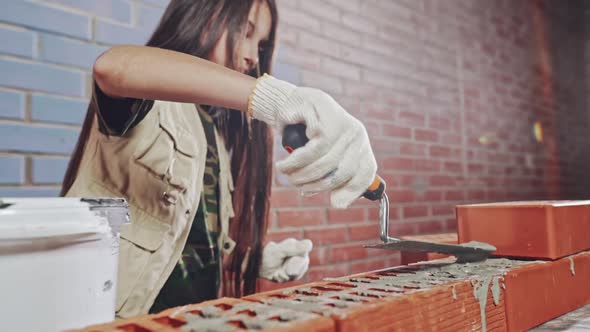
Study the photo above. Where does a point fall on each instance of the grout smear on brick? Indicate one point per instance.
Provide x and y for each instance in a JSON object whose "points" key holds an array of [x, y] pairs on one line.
{"points": [[496, 290], [403, 280], [214, 319], [572, 266], [482, 275], [480, 291]]}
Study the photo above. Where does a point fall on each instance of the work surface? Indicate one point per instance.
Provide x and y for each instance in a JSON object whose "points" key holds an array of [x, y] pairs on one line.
{"points": [[577, 320]]}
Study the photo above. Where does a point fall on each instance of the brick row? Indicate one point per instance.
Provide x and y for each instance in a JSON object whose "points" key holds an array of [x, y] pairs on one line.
{"points": [[225, 314], [498, 294]]}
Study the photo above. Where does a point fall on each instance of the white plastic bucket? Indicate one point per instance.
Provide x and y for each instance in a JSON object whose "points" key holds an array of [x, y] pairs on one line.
{"points": [[58, 262]]}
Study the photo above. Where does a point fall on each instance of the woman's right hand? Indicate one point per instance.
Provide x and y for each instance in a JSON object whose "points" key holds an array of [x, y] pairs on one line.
{"points": [[338, 156]]}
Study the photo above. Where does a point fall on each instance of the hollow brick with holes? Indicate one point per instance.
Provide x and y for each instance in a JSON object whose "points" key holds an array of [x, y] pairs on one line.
{"points": [[225, 313]]}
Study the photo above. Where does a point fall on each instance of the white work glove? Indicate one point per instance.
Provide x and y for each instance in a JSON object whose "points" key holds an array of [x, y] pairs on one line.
{"points": [[285, 261], [338, 156]]}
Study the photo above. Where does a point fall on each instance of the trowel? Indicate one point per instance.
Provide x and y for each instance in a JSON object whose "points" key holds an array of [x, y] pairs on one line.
{"points": [[294, 137]]}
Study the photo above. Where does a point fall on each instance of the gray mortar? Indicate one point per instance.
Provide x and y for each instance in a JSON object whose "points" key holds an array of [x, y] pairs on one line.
{"points": [[217, 320], [496, 289], [483, 275], [486, 250], [309, 306], [210, 311], [572, 266], [479, 245], [480, 291], [196, 323], [305, 291]]}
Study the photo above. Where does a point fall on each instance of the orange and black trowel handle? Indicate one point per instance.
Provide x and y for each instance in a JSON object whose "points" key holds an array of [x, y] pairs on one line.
{"points": [[294, 137]]}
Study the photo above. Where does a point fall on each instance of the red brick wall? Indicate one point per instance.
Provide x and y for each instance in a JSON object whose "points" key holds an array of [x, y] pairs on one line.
{"points": [[450, 92]]}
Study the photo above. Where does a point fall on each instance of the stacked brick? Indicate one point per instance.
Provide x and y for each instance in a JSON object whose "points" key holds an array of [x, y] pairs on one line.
{"points": [[498, 294]]}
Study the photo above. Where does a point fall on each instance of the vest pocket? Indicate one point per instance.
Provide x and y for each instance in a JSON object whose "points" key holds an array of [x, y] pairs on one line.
{"points": [[173, 169], [138, 244]]}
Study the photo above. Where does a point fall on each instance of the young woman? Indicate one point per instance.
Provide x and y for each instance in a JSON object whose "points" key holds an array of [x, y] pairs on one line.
{"points": [[181, 129]]}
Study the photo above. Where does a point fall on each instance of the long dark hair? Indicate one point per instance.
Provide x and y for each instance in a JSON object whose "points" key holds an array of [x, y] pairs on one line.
{"points": [[194, 27]]}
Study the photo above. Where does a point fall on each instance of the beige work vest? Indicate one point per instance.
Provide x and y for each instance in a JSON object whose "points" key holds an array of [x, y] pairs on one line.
{"points": [[158, 167]]}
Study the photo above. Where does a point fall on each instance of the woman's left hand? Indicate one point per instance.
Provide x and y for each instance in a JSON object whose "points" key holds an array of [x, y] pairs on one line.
{"points": [[285, 261]]}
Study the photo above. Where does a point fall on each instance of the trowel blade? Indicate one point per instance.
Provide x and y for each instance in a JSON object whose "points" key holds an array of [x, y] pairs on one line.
{"points": [[465, 253]]}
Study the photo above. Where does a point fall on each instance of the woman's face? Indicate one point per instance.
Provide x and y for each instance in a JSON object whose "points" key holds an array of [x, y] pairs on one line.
{"points": [[257, 34]]}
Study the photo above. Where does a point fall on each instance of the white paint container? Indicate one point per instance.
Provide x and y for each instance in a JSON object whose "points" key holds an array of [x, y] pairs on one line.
{"points": [[58, 262]]}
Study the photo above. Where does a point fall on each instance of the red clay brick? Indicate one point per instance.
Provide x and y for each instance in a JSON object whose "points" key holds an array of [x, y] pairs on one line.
{"points": [[433, 196], [415, 211], [439, 151], [427, 227], [325, 235], [347, 253], [329, 84], [426, 135], [439, 122], [318, 256], [475, 168], [413, 149], [400, 229], [340, 216], [318, 44], [475, 195], [442, 180], [321, 199], [383, 145], [451, 166], [300, 19], [379, 112], [411, 118], [285, 198], [540, 292], [442, 210], [364, 232], [534, 229], [454, 195], [398, 164], [279, 235], [298, 218], [401, 196], [396, 131], [451, 139], [427, 165], [302, 58], [394, 259]]}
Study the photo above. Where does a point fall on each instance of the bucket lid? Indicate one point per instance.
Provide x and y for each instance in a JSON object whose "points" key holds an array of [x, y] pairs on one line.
{"points": [[33, 218]]}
